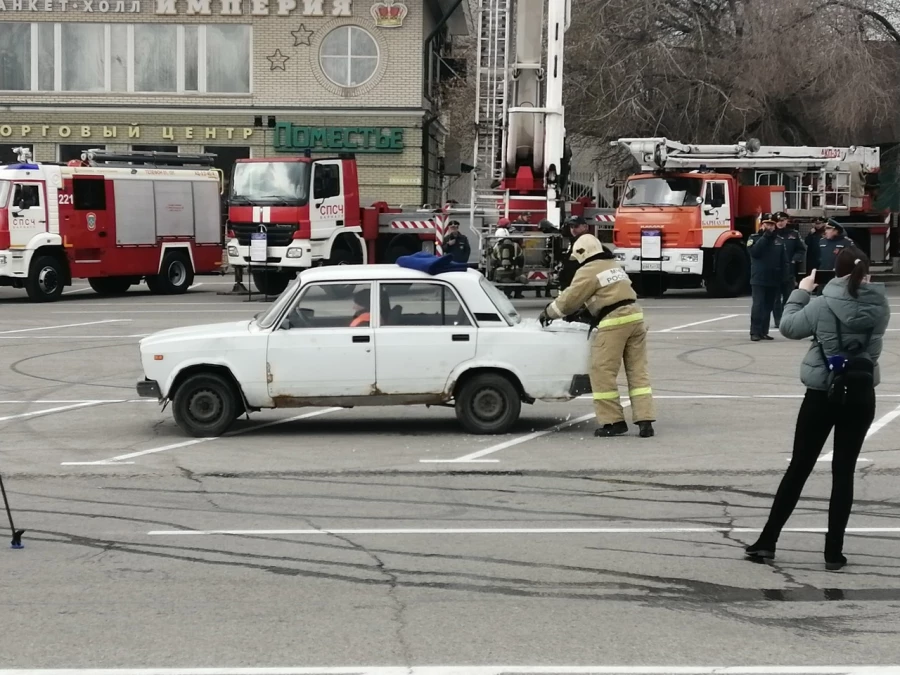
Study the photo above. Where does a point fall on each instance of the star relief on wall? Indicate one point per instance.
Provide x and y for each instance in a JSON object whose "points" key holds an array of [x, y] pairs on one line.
{"points": [[277, 60], [301, 35]]}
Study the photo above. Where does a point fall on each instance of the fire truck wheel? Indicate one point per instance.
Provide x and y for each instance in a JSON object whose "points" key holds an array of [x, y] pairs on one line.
{"points": [[46, 279], [205, 405], [175, 277], [110, 285], [732, 271], [271, 283], [488, 404]]}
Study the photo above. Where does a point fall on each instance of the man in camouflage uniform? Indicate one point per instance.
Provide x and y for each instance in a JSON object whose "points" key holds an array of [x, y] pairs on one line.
{"points": [[602, 287]]}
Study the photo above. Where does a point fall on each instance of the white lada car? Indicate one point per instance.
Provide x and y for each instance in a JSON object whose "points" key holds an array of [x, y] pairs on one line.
{"points": [[369, 335]]}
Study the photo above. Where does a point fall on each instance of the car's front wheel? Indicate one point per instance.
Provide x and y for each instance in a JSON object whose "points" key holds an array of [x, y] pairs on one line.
{"points": [[488, 404], [205, 405]]}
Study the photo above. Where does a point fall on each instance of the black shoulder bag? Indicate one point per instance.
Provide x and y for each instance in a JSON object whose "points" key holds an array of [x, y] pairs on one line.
{"points": [[851, 370]]}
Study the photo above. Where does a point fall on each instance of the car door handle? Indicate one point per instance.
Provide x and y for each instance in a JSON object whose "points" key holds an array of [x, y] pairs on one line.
{"points": [[460, 337], [339, 223], [360, 338]]}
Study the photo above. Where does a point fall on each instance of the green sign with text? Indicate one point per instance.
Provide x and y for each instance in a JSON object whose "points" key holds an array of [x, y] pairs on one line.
{"points": [[295, 138]]}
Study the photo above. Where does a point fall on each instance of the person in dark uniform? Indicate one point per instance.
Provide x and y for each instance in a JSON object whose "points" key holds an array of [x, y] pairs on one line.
{"points": [[769, 267], [812, 244], [832, 243], [796, 252], [456, 244]]}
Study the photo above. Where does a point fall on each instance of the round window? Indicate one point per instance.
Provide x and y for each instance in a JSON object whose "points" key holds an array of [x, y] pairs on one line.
{"points": [[349, 56]]}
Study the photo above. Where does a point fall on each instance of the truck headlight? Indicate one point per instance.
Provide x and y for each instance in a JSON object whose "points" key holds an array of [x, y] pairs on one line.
{"points": [[690, 257], [620, 257], [295, 253], [233, 251], [2, 259]]}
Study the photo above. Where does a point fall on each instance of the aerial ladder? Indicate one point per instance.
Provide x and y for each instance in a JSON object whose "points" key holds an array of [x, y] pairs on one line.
{"points": [[520, 155], [718, 193]]}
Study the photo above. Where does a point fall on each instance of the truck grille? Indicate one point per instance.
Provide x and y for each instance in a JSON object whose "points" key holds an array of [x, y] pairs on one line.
{"points": [[279, 235]]}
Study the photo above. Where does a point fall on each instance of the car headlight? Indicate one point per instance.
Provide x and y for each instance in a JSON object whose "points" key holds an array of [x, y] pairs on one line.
{"points": [[690, 257], [233, 251], [295, 253]]}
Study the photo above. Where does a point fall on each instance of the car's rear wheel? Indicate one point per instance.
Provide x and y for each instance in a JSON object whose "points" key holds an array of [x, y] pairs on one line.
{"points": [[205, 405], [488, 404]]}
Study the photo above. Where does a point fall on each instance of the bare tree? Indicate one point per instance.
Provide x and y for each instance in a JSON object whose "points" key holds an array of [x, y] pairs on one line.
{"points": [[788, 71]]}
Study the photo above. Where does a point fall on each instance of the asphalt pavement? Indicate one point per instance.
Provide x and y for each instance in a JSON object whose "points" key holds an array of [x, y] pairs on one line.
{"points": [[388, 541]]}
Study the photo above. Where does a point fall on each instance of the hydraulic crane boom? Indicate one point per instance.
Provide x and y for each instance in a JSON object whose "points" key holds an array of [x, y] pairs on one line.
{"points": [[655, 154]]}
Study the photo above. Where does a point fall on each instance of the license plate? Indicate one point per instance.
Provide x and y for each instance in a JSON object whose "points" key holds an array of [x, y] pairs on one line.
{"points": [[651, 266]]}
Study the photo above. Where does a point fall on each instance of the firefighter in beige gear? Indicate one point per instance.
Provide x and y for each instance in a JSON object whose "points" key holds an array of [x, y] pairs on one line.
{"points": [[603, 289]]}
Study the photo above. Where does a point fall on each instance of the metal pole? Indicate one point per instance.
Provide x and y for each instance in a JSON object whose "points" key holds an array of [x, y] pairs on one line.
{"points": [[16, 534]]}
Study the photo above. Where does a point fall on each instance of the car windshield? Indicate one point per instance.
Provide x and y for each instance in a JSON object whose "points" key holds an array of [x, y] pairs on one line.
{"points": [[501, 302], [271, 182], [267, 318], [4, 192], [676, 191]]}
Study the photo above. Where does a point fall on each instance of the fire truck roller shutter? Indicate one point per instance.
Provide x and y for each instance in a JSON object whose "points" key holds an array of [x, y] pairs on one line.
{"points": [[174, 208], [135, 212], [207, 213]]}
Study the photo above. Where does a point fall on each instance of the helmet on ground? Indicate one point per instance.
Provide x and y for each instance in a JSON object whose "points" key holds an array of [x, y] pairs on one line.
{"points": [[586, 246]]}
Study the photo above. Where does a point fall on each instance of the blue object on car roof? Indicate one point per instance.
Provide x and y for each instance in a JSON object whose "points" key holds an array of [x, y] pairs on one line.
{"points": [[430, 263]]}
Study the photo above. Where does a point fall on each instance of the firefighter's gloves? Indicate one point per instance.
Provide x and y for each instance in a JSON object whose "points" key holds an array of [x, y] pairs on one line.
{"points": [[545, 318]]}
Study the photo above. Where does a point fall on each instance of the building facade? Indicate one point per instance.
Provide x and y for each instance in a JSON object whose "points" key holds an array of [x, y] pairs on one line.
{"points": [[236, 78]]}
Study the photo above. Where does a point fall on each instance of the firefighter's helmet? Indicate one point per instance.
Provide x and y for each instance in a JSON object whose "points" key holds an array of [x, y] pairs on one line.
{"points": [[586, 246]]}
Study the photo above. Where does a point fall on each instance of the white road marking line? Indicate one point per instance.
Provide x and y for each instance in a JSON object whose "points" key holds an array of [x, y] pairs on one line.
{"points": [[697, 323], [877, 426], [195, 286], [70, 337], [49, 411], [77, 290], [476, 456], [152, 311], [82, 400], [522, 530], [196, 441], [67, 325], [733, 330]]}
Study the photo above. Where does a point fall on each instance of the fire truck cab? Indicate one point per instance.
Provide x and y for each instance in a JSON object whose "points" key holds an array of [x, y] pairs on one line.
{"points": [[113, 219]]}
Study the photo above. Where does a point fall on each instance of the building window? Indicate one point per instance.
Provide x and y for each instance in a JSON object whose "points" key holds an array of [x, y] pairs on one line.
{"points": [[139, 58], [154, 66], [228, 58], [84, 65], [15, 59], [69, 152], [8, 153], [349, 56]]}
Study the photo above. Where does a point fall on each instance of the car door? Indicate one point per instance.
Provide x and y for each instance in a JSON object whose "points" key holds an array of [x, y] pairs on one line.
{"points": [[327, 208], [316, 352], [424, 332], [28, 213], [716, 217]]}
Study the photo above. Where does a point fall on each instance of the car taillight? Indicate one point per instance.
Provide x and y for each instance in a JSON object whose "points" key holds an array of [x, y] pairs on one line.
{"points": [[303, 231]]}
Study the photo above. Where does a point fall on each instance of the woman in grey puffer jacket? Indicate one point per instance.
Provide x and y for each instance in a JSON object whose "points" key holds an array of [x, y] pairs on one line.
{"points": [[863, 311]]}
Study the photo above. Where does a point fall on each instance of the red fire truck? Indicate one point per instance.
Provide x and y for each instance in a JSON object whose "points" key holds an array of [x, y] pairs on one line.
{"points": [[111, 218], [685, 218], [310, 213]]}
